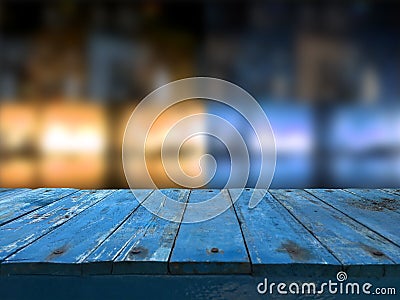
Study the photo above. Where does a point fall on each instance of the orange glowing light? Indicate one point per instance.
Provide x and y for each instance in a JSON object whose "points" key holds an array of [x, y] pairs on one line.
{"points": [[73, 143]]}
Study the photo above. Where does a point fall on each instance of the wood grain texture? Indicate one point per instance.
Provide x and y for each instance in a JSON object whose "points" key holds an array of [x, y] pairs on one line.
{"points": [[358, 248], [24, 203], [392, 191], [25, 230], [277, 242], [140, 245], [378, 199], [290, 233], [149, 248], [8, 194], [62, 251], [376, 217], [215, 246]]}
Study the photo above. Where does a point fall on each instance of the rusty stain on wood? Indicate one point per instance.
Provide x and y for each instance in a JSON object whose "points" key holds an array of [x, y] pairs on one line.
{"points": [[295, 251]]}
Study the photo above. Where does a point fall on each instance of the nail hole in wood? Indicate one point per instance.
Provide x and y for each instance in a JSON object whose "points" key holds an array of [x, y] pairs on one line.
{"points": [[378, 253]]}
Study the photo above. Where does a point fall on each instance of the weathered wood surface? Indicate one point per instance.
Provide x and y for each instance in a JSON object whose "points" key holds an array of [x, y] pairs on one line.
{"points": [[64, 249], [23, 203], [10, 193], [352, 243], [142, 245], [392, 191], [24, 230], [215, 246], [291, 232], [379, 215], [379, 200], [276, 241]]}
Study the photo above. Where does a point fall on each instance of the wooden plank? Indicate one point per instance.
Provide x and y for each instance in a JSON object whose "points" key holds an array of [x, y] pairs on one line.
{"points": [[62, 251], [25, 203], [378, 199], [277, 242], [23, 231], [215, 246], [142, 245], [376, 217], [6, 194], [359, 249], [392, 191]]}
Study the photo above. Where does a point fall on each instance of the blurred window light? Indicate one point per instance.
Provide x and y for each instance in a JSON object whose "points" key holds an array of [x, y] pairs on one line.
{"points": [[364, 142], [60, 138], [18, 172], [18, 133], [363, 129], [325, 55], [18, 126], [73, 129], [73, 144], [164, 126], [293, 128]]}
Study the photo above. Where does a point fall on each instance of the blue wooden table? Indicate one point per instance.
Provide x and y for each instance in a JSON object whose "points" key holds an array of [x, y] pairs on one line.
{"points": [[68, 243]]}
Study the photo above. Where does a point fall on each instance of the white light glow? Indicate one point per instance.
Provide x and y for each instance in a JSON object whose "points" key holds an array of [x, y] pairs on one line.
{"points": [[60, 138]]}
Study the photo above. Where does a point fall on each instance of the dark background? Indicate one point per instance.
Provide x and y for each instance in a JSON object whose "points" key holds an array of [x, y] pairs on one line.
{"points": [[326, 73]]}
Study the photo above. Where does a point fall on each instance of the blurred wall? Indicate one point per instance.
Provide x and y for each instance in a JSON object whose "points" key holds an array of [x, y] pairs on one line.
{"points": [[326, 74]]}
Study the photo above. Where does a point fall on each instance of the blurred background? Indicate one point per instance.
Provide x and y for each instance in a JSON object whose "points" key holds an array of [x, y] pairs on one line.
{"points": [[326, 73]]}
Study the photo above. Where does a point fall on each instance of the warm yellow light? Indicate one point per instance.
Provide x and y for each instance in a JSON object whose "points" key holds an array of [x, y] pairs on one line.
{"points": [[17, 125], [73, 144], [61, 138], [73, 129]]}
